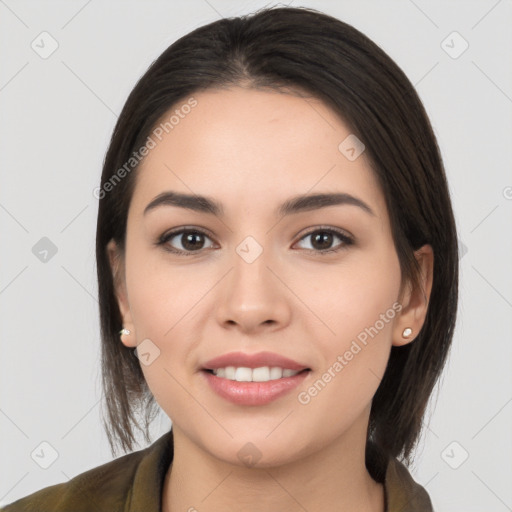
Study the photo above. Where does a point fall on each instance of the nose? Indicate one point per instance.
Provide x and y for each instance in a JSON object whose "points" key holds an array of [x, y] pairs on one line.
{"points": [[253, 297]]}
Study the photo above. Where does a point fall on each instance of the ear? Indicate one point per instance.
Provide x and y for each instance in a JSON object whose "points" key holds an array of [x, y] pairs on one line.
{"points": [[117, 267], [415, 301]]}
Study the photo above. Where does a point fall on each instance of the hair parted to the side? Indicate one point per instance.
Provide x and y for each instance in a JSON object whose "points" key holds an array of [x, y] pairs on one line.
{"points": [[309, 53]]}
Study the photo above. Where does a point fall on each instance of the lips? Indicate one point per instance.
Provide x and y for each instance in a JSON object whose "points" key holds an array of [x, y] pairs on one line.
{"points": [[258, 360], [253, 393]]}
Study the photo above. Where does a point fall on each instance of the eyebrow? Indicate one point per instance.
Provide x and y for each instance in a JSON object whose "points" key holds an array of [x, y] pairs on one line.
{"points": [[293, 205]]}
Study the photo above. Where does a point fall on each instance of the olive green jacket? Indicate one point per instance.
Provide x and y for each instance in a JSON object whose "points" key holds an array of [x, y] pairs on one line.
{"points": [[134, 483]]}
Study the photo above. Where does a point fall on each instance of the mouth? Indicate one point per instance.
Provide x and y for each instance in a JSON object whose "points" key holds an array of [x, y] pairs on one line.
{"points": [[259, 386], [253, 379]]}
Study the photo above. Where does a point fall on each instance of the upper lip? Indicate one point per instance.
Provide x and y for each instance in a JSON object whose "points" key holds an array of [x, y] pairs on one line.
{"points": [[242, 359]]}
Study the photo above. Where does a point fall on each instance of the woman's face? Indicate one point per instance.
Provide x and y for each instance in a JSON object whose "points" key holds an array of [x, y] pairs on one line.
{"points": [[318, 285]]}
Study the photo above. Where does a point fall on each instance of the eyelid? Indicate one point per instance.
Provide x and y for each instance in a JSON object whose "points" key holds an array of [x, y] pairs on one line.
{"points": [[325, 227], [180, 229]]}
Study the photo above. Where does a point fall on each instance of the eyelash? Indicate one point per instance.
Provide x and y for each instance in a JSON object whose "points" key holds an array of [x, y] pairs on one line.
{"points": [[347, 240]]}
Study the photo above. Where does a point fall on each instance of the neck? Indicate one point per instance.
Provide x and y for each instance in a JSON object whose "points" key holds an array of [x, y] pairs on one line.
{"points": [[332, 479]]}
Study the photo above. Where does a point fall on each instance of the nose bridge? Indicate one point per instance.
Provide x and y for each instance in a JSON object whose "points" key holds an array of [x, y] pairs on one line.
{"points": [[249, 279], [252, 296]]}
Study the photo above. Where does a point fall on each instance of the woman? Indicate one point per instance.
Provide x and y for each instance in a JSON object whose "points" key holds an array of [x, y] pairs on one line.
{"points": [[277, 268]]}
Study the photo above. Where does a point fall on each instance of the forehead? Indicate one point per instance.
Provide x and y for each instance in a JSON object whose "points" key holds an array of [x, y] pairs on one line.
{"points": [[245, 145]]}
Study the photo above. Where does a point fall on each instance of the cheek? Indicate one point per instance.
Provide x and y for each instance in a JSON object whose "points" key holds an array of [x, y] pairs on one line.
{"points": [[357, 307], [162, 294], [353, 296], [355, 349], [162, 302]]}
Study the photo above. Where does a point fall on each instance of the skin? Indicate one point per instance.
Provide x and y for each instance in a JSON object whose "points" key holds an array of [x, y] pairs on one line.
{"points": [[251, 150]]}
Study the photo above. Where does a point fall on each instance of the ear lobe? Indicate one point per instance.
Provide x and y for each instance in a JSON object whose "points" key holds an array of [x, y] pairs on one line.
{"points": [[118, 276], [415, 300]]}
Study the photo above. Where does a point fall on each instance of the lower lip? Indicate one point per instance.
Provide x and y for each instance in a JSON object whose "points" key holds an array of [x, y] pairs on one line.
{"points": [[253, 393]]}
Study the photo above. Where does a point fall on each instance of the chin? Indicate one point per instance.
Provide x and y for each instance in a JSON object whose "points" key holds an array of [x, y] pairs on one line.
{"points": [[259, 451]]}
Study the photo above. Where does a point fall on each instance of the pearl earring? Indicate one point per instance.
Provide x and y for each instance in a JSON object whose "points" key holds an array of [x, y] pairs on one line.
{"points": [[124, 331], [407, 332]]}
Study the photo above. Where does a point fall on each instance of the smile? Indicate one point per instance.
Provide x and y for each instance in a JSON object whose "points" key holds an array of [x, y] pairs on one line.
{"points": [[261, 374]]}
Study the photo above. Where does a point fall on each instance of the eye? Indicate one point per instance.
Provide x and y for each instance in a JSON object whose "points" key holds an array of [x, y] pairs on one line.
{"points": [[323, 238], [189, 241]]}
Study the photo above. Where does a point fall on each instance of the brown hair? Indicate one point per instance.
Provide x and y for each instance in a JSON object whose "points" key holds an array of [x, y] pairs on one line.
{"points": [[299, 49]]}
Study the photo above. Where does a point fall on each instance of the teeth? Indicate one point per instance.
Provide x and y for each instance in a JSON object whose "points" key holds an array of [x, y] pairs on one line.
{"points": [[262, 374]]}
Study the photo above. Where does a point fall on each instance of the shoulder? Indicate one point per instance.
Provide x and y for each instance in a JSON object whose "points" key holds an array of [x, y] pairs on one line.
{"points": [[403, 492], [104, 487]]}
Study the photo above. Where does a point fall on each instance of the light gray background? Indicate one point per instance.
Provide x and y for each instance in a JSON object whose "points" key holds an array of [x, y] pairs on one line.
{"points": [[57, 116]]}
